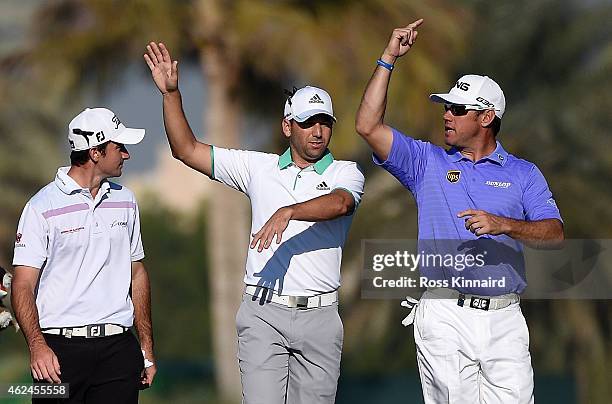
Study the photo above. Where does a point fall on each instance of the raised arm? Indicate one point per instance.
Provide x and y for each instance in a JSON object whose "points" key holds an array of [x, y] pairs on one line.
{"points": [[184, 145], [370, 115]]}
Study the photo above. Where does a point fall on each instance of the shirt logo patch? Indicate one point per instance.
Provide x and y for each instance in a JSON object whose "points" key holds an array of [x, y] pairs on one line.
{"points": [[453, 176], [18, 242], [70, 231], [118, 223], [322, 186], [498, 184]]}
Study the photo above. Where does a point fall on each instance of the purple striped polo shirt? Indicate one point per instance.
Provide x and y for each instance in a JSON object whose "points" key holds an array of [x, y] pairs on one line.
{"points": [[444, 183]]}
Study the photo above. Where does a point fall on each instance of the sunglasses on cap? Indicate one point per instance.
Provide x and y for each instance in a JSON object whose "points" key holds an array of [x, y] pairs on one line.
{"points": [[458, 110]]}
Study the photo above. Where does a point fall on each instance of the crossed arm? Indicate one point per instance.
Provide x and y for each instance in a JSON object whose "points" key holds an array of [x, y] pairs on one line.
{"points": [[327, 207]]}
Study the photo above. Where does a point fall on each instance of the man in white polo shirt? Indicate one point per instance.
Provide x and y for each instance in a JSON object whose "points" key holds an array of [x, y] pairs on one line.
{"points": [[79, 280], [289, 332]]}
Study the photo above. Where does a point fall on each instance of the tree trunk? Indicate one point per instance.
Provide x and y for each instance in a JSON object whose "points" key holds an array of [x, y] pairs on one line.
{"points": [[228, 231], [590, 355]]}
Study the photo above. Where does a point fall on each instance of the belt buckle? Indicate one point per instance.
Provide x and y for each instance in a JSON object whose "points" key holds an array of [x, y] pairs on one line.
{"points": [[299, 302], [95, 330], [481, 303]]}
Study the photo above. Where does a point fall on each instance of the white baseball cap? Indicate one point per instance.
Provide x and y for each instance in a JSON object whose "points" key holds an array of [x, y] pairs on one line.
{"points": [[477, 91], [95, 126], [308, 101]]}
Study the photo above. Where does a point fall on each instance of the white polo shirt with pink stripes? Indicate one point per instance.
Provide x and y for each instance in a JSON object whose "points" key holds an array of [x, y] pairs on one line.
{"points": [[84, 248]]}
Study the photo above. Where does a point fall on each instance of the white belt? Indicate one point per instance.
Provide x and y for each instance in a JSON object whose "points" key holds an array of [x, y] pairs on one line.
{"points": [[476, 301], [301, 302], [88, 331]]}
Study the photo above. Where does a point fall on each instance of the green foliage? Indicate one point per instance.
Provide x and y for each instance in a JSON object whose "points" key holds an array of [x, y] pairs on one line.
{"points": [[177, 263], [554, 65]]}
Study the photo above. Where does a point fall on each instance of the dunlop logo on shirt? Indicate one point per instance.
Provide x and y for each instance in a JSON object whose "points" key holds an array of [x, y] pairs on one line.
{"points": [[453, 176]]}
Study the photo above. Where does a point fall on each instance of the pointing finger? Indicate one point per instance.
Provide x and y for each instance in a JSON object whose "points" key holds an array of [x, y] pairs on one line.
{"points": [[416, 23]]}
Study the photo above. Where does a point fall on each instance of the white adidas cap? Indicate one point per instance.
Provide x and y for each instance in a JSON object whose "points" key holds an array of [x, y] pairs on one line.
{"points": [[308, 101], [477, 91], [95, 126]]}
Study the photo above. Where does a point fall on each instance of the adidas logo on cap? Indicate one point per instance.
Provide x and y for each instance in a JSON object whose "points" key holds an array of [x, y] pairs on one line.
{"points": [[316, 100], [307, 102], [322, 186]]}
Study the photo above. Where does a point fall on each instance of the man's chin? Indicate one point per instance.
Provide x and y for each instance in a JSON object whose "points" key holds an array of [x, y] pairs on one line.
{"points": [[449, 141]]}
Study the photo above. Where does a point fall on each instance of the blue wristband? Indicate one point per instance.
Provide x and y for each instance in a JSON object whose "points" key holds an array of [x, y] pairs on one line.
{"points": [[385, 65]]}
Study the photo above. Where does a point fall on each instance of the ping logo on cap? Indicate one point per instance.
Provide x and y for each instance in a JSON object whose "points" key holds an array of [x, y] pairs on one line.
{"points": [[453, 176], [462, 85]]}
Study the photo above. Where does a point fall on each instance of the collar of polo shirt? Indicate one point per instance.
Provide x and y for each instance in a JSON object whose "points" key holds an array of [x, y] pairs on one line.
{"points": [[499, 155], [320, 166], [68, 185]]}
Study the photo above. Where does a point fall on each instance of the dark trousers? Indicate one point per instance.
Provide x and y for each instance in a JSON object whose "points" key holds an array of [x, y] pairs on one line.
{"points": [[99, 370]]}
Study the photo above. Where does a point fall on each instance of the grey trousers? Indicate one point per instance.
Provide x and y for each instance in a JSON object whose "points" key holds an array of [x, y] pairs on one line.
{"points": [[288, 355]]}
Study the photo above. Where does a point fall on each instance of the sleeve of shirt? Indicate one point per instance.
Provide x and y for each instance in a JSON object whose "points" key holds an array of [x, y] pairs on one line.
{"points": [[538, 201], [407, 159], [231, 167], [352, 180], [32, 239], [136, 248]]}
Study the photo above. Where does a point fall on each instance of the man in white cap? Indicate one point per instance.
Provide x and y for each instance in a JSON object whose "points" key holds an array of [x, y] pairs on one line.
{"points": [[289, 332], [471, 337], [79, 282]]}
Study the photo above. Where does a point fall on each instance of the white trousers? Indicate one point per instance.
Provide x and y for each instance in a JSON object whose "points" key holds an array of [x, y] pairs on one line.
{"points": [[468, 355]]}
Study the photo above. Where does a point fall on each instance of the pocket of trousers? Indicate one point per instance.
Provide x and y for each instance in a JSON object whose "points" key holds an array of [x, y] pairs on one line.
{"points": [[340, 333], [240, 324]]}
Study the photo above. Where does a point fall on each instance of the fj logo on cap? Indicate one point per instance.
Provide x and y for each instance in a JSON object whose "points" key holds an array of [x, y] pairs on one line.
{"points": [[323, 186], [99, 136], [453, 176], [316, 99]]}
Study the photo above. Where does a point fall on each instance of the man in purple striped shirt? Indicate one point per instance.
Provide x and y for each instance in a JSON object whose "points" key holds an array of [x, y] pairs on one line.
{"points": [[474, 198], [80, 283]]}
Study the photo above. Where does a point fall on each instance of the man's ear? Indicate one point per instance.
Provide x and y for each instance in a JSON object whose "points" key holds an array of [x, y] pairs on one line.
{"points": [[487, 117], [286, 128], [94, 154]]}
